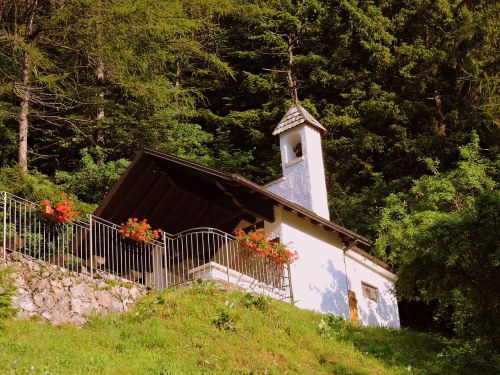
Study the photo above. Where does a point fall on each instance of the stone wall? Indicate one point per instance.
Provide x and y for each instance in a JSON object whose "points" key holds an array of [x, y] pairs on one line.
{"points": [[61, 296]]}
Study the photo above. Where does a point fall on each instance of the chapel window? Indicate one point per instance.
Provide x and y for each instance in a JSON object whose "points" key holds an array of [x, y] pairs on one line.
{"points": [[370, 292], [294, 147]]}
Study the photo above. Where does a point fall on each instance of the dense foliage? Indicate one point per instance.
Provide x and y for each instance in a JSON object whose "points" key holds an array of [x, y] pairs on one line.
{"points": [[91, 180], [394, 82], [443, 236]]}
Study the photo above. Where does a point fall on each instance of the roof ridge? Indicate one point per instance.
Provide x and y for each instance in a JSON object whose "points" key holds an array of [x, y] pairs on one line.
{"points": [[288, 122]]}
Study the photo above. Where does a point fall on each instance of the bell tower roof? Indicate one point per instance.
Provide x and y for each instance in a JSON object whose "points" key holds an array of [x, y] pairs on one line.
{"points": [[297, 115]]}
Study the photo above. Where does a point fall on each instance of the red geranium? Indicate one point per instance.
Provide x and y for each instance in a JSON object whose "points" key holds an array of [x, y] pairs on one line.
{"points": [[258, 241], [139, 230], [60, 209]]}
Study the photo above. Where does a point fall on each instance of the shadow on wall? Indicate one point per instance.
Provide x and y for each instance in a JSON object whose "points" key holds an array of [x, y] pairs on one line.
{"points": [[334, 294], [380, 314]]}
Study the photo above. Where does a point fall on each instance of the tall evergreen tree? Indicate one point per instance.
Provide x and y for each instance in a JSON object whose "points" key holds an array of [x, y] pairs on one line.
{"points": [[101, 73]]}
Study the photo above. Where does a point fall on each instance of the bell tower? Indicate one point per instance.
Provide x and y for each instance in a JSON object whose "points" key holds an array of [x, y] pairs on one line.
{"points": [[303, 180]]}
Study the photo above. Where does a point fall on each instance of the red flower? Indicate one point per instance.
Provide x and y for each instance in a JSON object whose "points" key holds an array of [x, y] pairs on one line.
{"points": [[257, 241], [139, 230], [61, 211]]}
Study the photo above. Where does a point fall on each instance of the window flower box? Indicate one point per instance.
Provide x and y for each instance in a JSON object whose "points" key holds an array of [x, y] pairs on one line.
{"points": [[258, 241], [60, 209], [138, 231]]}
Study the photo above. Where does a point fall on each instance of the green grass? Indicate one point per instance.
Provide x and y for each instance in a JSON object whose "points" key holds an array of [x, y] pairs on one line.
{"points": [[201, 330]]}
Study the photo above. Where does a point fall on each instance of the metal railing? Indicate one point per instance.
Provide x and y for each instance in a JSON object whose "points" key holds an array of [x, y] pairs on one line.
{"points": [[24, 231], [207, 253], [95, 245]]}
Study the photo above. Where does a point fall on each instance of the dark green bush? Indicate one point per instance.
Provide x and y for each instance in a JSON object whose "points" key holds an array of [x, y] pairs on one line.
{"points": [[92, 180], [34, 187], [470, 357]]}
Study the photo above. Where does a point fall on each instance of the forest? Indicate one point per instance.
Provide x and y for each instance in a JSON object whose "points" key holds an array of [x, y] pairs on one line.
{"points": [[407, 89]]}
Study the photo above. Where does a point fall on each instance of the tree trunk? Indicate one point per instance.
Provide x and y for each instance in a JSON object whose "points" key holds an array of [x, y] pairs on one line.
{"points": [[100, 138], [22, 90], [178, 73], [23, 94], [100, 82], [100, 75], [292, 84]]}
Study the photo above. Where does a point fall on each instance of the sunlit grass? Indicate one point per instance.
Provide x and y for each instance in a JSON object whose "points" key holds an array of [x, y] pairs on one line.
{"points": [[176, 333]]}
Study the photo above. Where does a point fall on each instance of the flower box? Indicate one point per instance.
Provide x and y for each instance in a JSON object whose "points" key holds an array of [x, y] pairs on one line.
{"points": [[138, 231], [275, 251], [59, 210]]}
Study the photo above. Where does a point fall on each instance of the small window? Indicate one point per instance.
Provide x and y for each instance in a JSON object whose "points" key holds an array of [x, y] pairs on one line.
{"points": [[294, 149], [297, 149], [369, 291]]}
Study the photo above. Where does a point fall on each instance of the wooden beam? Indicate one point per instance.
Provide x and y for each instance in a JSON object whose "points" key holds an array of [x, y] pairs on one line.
{"points": [[127, 183], [109, 196], [192, 208], [132, 182], [145, 209], [228, 218], [216, 202], [157, 209], [200, 215], [248, 204]]}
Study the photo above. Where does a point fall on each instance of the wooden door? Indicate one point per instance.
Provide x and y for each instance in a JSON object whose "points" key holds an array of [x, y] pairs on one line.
{"points": [[353, 306]]}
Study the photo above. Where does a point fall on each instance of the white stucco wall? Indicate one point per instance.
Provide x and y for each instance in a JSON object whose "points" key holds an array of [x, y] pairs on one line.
{"points": [[316, 170], [294, 184], [303, 179], [383, 313], [323, 274], [319, 278]]}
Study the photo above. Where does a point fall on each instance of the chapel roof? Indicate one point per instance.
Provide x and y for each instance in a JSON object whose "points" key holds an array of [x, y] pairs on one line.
{"points": [[195, 195], [297, 115]]}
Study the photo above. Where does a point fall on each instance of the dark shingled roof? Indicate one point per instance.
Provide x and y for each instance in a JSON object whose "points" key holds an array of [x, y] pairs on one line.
{"points": [[158, 183], [297, 115]]}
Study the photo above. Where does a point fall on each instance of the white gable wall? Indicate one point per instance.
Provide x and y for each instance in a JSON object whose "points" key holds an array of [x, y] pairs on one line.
{"points": [[318, 278], [323, 274], [383, 313]]}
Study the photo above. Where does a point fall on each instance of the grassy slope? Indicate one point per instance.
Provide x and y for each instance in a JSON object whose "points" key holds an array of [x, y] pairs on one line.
{"points": [[174, 333]]}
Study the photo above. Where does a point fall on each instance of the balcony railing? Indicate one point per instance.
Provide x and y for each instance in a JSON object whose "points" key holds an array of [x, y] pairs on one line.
{"points": [[95, 245]]}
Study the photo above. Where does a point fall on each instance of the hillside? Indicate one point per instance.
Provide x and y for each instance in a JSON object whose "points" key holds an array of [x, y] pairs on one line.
{"points": [[205, 330]]}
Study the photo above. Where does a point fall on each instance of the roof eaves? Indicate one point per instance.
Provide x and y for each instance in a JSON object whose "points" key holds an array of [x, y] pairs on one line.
{"points": [[253, 186], [369, 256], [298, 208], [189, 163]]}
